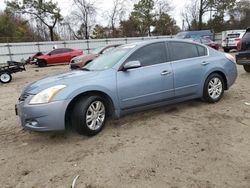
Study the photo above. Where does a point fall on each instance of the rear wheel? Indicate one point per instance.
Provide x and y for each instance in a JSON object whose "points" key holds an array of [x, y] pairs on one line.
{"points": [[89, 115], [5, 77], [247, 68], [226, 50], [214, 88], [42, 63]]}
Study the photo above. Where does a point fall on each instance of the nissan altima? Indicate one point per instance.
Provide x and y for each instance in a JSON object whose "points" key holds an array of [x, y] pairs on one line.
{"points": [[130, 78]]}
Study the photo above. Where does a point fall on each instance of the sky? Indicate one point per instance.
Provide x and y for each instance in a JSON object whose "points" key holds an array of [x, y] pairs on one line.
{"points": [[103, 5]]}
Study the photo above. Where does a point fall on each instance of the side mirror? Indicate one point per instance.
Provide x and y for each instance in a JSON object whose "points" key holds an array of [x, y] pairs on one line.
{"points": [[131, 65], [49, 54]]}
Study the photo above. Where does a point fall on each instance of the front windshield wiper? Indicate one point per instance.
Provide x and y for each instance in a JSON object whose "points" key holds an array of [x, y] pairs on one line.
{"points": [[84, 69]]}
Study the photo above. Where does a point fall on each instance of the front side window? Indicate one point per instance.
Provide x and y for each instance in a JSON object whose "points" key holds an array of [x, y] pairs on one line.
{"points": [[66, 50], [150, 55], [56, 51], [183, 50]]}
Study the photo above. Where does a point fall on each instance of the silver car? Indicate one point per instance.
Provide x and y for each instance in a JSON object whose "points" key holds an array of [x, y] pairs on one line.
{"points": [[131, 78]]}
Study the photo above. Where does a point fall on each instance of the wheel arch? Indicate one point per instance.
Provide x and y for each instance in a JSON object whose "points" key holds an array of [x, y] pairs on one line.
{"points": [[221, 73], [108, 102]]}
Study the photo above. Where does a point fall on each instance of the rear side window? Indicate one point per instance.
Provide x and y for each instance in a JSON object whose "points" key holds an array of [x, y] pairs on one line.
{"points": [[182, 50], [202, 51], [150, 54]]}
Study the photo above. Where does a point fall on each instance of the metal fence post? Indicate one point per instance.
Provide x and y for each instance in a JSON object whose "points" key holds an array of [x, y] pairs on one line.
{"points": [[64, 44], [38, 47], [9, 50], [88, 45]]}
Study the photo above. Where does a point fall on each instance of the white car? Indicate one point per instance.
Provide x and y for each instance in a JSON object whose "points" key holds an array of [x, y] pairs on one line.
{"points": [[231, 38]]}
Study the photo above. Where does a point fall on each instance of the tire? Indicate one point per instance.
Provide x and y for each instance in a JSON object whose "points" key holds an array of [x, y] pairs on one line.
{"points": [[5, 77], [226, 50], [247, 68], [213, 88], [88, 106], [42, 63]]}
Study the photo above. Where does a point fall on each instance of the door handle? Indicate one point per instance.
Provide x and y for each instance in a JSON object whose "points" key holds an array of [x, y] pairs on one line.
{"points": [[165, 72], [204, 63]]}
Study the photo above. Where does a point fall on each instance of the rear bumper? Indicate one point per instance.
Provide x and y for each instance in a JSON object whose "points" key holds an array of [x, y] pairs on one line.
{"points": [[243, 58], [229, 47], [42, 117]]}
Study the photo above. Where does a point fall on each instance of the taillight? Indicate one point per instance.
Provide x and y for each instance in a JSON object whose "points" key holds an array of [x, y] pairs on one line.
{"points": [[239, 46], [237, 39]]}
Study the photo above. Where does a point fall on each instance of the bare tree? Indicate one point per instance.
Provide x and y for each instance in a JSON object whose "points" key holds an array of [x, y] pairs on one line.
{"points": [[162, 7], [191, 14], [84, 13], [116, 13]]}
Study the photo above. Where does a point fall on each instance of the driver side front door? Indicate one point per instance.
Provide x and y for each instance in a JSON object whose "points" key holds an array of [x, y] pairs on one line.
{"points": [[151, 83]]}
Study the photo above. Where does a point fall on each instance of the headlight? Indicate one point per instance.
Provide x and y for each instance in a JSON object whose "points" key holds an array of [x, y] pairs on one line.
{"points": [[46, 95], [77, 60]]}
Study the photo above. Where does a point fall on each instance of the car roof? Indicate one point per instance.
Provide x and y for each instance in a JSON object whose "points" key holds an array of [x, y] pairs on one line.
{"points": [[142, 43]]}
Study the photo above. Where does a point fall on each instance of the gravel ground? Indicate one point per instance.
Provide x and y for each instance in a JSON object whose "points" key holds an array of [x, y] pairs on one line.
{"points": [[187, 145]]}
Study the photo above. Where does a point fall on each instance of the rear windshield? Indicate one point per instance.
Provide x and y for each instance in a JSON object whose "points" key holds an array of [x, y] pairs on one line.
{"points": [[235, 35]]}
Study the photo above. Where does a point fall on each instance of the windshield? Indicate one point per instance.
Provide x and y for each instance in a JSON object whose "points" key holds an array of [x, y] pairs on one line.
{"points": [[109, 59], [96, 50], [180, 35]]}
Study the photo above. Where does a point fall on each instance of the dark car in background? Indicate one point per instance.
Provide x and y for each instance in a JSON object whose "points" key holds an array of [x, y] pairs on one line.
{"points": [[57, 56], [243, 57], [207, 42], [195, 34], [82, 60]]}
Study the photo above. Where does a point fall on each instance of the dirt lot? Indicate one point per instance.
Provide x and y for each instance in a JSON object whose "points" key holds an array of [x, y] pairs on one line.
{"points": [[188, 145]]}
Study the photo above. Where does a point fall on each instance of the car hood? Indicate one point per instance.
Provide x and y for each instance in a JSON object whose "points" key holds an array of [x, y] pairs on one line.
{"points": [[68, 78]]}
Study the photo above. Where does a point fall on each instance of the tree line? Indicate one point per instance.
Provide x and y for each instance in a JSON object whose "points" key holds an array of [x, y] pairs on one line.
{"points": [[41, 20]]}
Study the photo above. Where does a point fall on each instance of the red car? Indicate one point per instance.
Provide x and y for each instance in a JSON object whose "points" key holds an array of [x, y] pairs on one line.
{"points": [[208, 42], [81, 61], [59, 55]]}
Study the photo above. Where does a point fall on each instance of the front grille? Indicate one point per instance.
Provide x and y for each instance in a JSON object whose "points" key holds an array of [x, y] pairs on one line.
{"points": [[24, 96]]}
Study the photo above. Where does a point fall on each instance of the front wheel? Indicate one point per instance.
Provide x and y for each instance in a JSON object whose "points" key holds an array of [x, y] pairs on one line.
{"points": [[5, 77], [214, 88], [89, 115], [42, 63], [247, 68]]}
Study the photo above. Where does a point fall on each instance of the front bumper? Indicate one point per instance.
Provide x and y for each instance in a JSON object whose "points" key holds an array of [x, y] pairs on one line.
{"points": [[42, 117]]}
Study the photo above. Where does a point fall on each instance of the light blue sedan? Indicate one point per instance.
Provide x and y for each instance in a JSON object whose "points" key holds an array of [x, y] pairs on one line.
{"points": [[131, 78]]}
